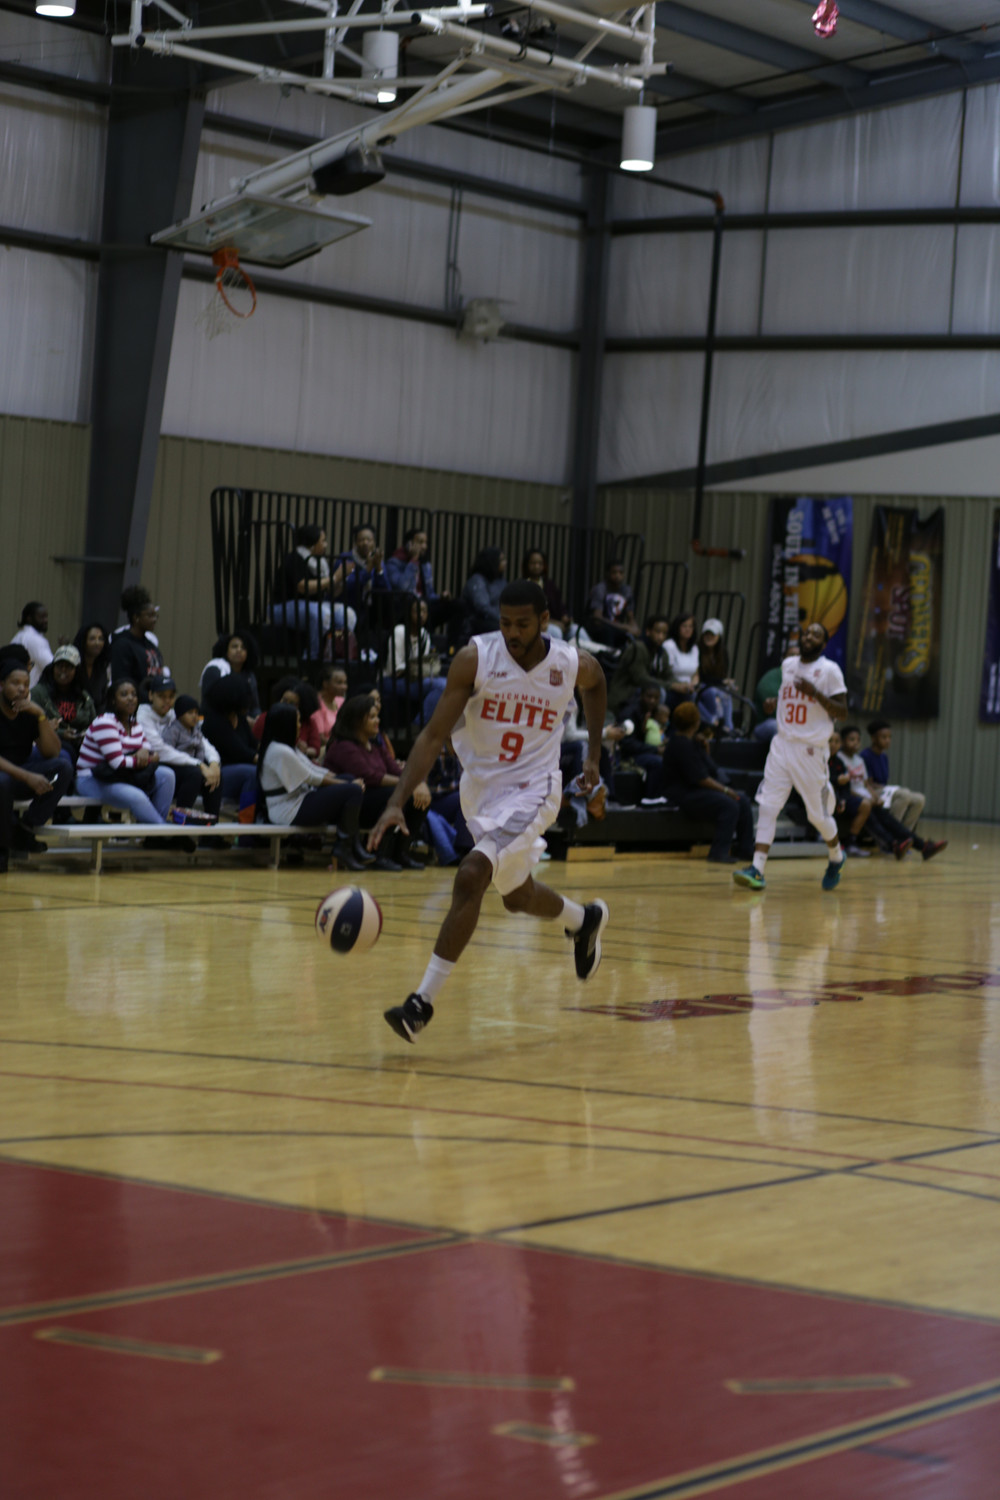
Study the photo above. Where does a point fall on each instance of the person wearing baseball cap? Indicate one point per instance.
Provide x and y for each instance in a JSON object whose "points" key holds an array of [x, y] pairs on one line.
{"points": [[61, 694], [716, 686]]}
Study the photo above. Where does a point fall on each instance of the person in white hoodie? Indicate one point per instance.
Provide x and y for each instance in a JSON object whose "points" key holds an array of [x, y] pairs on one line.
{"points": [[194, 777]]}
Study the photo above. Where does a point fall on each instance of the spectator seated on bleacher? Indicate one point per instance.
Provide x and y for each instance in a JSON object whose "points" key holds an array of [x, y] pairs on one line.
{"points": [[305, 590], [117, 765], [410, 571], [32, 634], [412, 665], [304, 697], [64, 699], [234, 653], [31, 763], [644, 744], [765, 702], [225, 723], [643, 663], [293, 792], [185, 734], [95, 662], [611, 609], [357, 749], [693, 781], [480, 599], [332, 695], [682, 651], [716, 686], [535, 568], [364, 571], [194, 776], [135, 652]]}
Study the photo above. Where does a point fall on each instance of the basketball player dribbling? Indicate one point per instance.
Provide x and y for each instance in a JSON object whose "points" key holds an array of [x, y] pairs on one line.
{"points": [[504, 706], [813, 695]]}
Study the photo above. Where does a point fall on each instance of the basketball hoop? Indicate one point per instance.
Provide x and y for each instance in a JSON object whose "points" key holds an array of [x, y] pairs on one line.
{"points": [[235, 295]]}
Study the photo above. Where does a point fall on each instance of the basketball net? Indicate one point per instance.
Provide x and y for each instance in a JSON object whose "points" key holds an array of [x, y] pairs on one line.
{"points": [[234, 296]]}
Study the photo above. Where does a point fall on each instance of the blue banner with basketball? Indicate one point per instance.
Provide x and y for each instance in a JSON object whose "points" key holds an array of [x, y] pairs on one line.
{"points": [[989, 697], [808, 575], [896, 667]]}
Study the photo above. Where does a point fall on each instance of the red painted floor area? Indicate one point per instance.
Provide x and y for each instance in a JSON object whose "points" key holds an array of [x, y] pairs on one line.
{"points": [[290, 1411]]}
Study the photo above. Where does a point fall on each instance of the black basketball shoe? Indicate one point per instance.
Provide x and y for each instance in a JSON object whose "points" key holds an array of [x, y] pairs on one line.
{"points": [[410, 1018], [587, 942]]}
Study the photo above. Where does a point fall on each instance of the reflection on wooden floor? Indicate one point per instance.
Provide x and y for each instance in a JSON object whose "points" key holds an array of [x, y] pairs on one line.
{"points": [[754, 1166]]}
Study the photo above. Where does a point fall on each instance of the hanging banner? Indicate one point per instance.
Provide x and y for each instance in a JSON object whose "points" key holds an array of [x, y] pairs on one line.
{"points": [[808, 575], [989, 698], [896, 668]]}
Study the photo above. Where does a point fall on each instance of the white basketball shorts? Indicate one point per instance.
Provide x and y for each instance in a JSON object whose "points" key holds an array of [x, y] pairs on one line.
{"points": [[514, 845], [802, 767]]}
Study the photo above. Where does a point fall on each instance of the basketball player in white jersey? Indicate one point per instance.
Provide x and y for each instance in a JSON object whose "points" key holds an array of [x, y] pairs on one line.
{"points": [[813, 695], [504, 706]]}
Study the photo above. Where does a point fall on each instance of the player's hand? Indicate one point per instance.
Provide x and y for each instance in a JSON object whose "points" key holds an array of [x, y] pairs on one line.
{"points": [[590, 775], [422, 796], [37, 785], [805, 686], [391, 818]]}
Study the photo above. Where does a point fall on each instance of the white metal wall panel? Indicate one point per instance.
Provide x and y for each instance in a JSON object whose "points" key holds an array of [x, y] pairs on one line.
{"points": [[981, 154], [858, 280], [328, 380], [46, 314], [649, 413], [51, 163], [906, 157], [659, 284], [52, 47]]}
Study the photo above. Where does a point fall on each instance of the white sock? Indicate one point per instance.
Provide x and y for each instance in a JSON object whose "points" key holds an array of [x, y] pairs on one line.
{"points": [[836, 853], [759, 861], [572, 915], [437, 972]]}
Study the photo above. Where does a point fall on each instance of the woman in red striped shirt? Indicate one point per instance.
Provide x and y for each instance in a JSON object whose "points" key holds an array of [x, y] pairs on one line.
{"points": [[115, 745]]}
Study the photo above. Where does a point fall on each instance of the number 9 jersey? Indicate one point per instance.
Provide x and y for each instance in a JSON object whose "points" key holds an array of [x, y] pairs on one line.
{"points": [[801, 718], [510, 735]]}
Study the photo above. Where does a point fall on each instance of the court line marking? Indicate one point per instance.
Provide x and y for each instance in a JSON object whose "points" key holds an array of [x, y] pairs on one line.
{"points": [[739, 1278], [847, 1157], [451, 1237], [405, 1068], [750, 1466], [218, 1281], [112, 1343], [394, 1135], [472, 1380]]}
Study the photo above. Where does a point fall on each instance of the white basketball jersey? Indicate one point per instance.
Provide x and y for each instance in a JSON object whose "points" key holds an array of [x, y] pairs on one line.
{"points": [[510, 735], [800, 718]]}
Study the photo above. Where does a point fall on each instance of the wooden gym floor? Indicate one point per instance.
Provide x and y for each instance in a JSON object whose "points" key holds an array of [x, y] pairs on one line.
{"points": [[723, 1222]]}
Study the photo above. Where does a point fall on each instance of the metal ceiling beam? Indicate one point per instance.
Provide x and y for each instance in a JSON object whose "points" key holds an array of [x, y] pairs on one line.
{"points": [[888, 21], [893, 86], [731, 37]]}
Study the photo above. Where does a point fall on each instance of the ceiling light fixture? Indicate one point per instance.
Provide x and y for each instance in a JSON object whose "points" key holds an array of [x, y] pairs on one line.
{"points": [[638, 138], [380, 50], [59, 9]]}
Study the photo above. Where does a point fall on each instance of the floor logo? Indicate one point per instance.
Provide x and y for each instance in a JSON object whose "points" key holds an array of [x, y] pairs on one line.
{"points": [[738, 1003]]}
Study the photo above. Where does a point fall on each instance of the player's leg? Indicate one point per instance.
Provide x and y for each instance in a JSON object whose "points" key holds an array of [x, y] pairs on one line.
{"points": [[472, 880], [771, 798], [584, 924], [812, 782]]}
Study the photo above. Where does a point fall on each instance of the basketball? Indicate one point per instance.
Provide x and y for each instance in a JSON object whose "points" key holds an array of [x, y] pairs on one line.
{"points": [[822, 593], [349, 919]]}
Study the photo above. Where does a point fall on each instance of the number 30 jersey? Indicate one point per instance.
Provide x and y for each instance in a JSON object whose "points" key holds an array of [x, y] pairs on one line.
{"points": [[801, 718], [510, 735]]}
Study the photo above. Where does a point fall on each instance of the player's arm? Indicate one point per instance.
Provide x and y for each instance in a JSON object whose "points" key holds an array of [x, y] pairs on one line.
{"points": [[430, 741], [593, 687], [836, 706]]}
